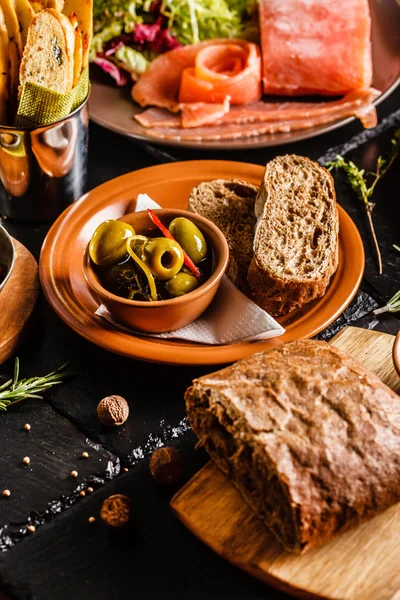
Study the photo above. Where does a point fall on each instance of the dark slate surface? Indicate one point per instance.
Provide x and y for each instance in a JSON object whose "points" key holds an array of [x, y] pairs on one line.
{"points": [[45, 487], [66, 558]]}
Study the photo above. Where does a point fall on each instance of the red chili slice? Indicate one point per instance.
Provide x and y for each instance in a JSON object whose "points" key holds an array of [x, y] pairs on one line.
{"points": [[188, 261]]}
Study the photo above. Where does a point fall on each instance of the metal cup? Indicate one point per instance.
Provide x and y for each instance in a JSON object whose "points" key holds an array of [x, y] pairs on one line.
{"points": [[43, 169]]}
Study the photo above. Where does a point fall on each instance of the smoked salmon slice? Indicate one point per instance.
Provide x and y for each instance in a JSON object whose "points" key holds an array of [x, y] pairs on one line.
{"points": [[223, 71], [213, 78], [357, 103], [315, 46]]}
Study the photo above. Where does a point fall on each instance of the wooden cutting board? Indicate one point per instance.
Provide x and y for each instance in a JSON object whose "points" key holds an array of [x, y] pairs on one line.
{"points": [[17, 300], [363, 564]]}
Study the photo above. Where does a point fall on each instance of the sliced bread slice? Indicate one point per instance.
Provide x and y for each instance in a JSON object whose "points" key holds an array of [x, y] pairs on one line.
{"points": [[4, 69], [84, 11], [229, 204], [48, 58], [296, 241]]}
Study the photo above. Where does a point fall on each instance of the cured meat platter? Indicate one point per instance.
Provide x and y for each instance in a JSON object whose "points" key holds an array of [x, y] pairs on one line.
{"points": [[359, 564], [114, 108]]}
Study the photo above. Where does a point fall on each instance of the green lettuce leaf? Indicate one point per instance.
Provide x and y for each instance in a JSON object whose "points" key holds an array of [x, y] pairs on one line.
{"points": [[132, 60]]}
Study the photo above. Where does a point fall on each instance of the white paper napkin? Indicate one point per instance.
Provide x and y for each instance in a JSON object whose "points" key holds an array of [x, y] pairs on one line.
{"points": [[230, 318]]}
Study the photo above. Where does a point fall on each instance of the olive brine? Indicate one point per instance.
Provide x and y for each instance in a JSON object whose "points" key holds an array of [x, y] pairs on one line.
{"points": [[143, 267]]}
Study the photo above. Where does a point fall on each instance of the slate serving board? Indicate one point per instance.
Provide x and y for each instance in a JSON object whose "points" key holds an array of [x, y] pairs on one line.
{"points": [[359, 565]]}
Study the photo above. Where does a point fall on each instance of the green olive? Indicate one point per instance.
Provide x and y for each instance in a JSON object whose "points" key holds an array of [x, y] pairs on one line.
{"points": [[181, 284], [164, 257], [119, 279], [190, 238], [108, 244]]}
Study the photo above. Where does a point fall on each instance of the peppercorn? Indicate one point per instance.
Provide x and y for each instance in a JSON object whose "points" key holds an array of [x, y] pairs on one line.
{"points": [[117, 511], [113, 411], [166, 466]]}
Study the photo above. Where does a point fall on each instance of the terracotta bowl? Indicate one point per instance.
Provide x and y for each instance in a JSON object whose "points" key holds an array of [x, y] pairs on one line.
{"points": [[7, 256], [164, 315]]}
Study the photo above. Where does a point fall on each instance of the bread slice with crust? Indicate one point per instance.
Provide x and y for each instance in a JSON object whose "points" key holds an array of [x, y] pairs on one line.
{"points": [[25, 14], [296, 240], [84, 11], [78, 53], [229, 204], [14, 49], [48, 58], [4, 69]]}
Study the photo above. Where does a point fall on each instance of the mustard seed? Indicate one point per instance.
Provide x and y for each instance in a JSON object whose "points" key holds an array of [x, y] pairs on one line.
{"points": [[6, 493], [90, 490], [31, 528], [74, 473], [82, 493], [85, 455], [27, 427], [91, 520], [26, 460]]}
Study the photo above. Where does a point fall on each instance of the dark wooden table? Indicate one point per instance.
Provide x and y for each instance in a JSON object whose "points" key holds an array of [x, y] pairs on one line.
{"points": [[69, 558]]}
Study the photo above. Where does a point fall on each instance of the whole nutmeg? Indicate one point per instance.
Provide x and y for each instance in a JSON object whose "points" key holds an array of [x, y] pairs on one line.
{"points": [[166, 466], [113, 411], [117, 511]]}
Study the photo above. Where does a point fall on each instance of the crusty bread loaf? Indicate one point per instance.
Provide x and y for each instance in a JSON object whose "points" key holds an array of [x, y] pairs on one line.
{"points": [[296, 241], [310, 438], [48, 58], [229, 204]]}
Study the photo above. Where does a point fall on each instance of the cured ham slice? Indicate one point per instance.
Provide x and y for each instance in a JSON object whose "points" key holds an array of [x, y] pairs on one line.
{"points": [[315, 46], [357, 103], [228, 130], [160, 85]]}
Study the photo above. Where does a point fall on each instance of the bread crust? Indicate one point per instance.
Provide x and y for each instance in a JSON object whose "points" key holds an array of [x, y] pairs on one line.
{"points": [[274, 293], [309, 436]]}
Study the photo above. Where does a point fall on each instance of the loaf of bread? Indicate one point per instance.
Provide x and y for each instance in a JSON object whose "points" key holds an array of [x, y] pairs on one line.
{"points": [[310, 438], [296, 240], [229, 204]]}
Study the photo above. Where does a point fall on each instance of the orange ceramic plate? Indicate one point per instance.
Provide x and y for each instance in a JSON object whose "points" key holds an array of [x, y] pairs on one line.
{"points": [[66, 289]]}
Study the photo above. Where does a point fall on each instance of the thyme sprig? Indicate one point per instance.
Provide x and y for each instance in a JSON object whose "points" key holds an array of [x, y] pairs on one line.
{"points": [[364, 183], [15, 390]]}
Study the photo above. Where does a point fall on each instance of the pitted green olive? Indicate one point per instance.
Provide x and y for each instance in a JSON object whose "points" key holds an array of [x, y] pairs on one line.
{"points": [[190, 238], [181, 284], [164, 257], [108, 244]]}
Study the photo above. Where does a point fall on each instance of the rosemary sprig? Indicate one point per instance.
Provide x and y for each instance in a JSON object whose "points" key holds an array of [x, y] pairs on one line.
{"points": [[15, 390], [364, 183], [392, 305]]}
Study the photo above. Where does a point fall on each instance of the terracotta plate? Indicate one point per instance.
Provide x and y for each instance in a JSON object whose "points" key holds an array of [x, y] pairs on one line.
{"points": [[113, 108], [64, 283]]}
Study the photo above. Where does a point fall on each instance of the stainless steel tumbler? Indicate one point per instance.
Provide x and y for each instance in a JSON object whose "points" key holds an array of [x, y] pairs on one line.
{"points": [[44, 169]]}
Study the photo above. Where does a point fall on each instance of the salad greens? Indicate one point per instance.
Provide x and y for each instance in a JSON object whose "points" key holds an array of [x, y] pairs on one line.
{"points": [[151, 27], [190, 21]]}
